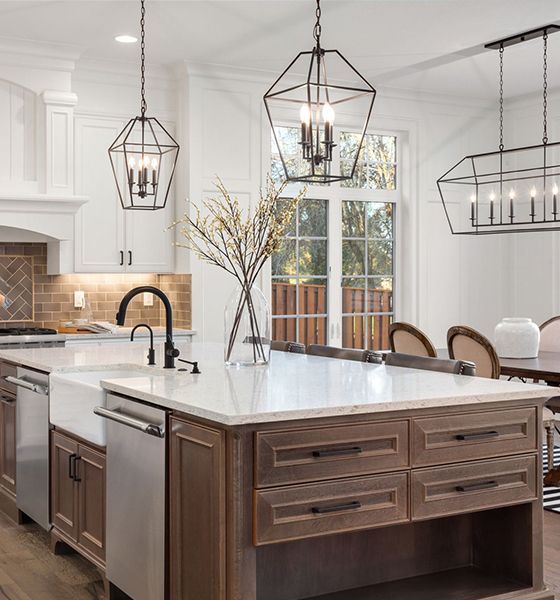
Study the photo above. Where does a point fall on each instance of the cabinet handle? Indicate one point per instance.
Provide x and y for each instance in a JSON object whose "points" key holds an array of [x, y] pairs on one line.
{"points": [[473, 487], [319, 510], [336, 451], [129, 258], [481, 435], [76, 478], [71, 465], [7, 400], [122, 257]]}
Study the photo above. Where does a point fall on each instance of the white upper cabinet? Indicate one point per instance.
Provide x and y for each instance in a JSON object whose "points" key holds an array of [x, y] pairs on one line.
{"points": [[108, 238]]}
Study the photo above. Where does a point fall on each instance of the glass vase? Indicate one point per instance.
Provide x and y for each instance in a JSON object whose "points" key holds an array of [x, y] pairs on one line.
{"points": [[247, 327]]}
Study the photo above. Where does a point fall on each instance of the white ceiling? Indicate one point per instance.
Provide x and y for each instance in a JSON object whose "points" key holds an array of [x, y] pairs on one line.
{"points": [[429, 45]]}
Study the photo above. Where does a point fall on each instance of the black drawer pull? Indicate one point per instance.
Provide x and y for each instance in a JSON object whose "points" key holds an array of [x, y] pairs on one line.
{"points": [[76, 478], [71, 465], [337, 451], [481, 435], [320, 510], [473, 487]]}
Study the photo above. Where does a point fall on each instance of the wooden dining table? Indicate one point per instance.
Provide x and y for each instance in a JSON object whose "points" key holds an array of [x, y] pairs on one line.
{"points": [[546, 367]]}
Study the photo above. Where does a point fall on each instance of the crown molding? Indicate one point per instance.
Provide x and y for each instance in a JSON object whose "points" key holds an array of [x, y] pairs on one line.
{"points": [[28, 53]]}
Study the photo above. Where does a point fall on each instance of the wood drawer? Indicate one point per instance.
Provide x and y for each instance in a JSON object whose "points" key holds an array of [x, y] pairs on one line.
{"points": [[5, 370], [473, 486], [454, 438], [299, 455], [311, 510]]}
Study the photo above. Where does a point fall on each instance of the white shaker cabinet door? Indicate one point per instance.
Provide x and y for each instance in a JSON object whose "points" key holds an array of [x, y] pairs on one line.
{"points": [[149, 244], [100, 222]]}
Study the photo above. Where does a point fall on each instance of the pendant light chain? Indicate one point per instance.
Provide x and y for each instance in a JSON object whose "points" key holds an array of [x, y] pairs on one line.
{"points": [[545, 88], [143, 104], [501, 98], [317, 28]]}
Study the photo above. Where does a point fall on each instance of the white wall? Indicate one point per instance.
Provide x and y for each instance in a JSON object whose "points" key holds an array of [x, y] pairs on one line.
{"points": [[444, 279]]}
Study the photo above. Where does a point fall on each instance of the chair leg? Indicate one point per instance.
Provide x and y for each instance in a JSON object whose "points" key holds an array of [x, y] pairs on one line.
{"points": [[550, 446]]}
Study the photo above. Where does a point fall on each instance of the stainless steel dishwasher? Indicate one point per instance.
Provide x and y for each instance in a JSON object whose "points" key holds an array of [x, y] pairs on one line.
{"points": [[32, 444], [136, 497]]}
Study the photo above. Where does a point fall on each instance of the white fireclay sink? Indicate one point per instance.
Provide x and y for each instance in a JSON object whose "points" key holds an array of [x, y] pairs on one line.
{"points": [[73, 396]]}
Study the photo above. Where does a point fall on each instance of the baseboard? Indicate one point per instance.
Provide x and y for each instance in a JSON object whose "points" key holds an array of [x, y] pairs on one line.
{"points": [[8, 506]]}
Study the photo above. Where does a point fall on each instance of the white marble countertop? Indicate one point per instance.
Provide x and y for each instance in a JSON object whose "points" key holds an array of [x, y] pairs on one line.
{"points": [[124, 332], [293, 386]]}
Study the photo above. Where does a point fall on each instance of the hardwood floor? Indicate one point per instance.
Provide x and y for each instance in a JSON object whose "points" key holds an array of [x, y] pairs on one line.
{"points": [[29, 571]]}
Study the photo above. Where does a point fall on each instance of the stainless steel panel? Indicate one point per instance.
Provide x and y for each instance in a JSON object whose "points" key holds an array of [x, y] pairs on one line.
{"points": [[136, 472], [32, 448]]}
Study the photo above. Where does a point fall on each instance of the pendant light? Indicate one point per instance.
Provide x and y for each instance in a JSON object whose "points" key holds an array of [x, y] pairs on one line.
{"points": [[305, 92], [144, 155], [509, 190]]}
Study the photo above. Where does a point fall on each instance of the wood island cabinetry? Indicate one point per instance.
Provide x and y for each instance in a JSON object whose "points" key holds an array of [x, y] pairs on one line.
{"points": [[8, 442], [424, 503]]}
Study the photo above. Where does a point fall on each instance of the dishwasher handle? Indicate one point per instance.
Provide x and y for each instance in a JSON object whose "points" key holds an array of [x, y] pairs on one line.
{"points": [[28, 385], [148, 428]]}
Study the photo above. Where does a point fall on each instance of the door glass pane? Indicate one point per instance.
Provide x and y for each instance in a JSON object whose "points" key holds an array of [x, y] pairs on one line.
{"points": [[376, 168], [299, 277], [353, 220], [367, 301]]}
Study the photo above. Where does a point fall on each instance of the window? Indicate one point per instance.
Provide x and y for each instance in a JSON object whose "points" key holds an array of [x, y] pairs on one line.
{"points": [[333, 278], [299, 277]]}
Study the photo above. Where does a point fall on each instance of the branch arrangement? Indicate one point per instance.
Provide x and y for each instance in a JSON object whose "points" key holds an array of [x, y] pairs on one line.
{"points": [[239, 242]]}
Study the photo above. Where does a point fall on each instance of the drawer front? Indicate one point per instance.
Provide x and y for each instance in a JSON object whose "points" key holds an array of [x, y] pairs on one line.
{"points": [[5, 370], [440, 440], [474, 486], [296, 456], [320, 509]]}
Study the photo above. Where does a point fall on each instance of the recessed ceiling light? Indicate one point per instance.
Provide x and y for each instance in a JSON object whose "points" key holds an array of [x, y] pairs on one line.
{"points": [[126, 39]]}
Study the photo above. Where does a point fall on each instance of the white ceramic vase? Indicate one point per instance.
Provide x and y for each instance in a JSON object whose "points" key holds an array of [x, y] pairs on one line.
{"points": [[517, 338]]}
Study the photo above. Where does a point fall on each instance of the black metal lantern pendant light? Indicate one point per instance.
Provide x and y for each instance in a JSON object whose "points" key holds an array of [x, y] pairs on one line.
{"points": [[144, 155], [304, 89], [510, 190]]}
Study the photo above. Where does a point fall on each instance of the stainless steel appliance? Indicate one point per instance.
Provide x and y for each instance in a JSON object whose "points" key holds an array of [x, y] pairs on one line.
{"points": [[30, 337], [136, 497], [32, 444]]}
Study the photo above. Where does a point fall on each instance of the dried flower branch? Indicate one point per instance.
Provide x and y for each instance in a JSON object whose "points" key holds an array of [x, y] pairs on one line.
{"points": [[239, 244]]}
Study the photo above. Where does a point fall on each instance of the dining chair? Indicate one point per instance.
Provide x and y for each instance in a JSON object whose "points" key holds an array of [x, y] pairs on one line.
{"points": [[427, 363], [408, 339], [282, 346], [465, 343], [344, 353], [550, 335]]}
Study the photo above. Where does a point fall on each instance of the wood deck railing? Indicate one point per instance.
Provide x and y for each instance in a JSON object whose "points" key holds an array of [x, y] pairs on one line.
{"points": [[358, 330]]}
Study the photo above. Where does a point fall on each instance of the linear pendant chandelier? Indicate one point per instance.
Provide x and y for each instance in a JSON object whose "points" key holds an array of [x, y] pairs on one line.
{"points": [[144, 155], [509, 190], [304, 89]]}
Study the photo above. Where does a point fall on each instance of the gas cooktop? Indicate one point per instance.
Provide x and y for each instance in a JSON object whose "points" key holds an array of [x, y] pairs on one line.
{"points": [[27, 331]]}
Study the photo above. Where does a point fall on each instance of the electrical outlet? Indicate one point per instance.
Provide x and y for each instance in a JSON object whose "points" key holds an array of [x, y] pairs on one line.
{"points": [[79, 299], [148, 299]]}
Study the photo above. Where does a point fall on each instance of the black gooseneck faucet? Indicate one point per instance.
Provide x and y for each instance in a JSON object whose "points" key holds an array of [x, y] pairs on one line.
{"points": [[171, 353]]}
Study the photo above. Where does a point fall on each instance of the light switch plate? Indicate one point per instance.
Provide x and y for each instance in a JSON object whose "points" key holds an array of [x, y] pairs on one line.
{"points": [[148, 299], [79, 299]]}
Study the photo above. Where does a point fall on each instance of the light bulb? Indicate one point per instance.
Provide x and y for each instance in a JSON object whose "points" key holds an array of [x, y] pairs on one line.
{"points": [[328, 113], [533, 192], [555, 189], [305, 113], [154, 163], [473, 198], [131, 162], [512, 194], [492, 196]]}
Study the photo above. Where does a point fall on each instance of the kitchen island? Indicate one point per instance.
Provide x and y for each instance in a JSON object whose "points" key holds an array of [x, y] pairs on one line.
{"points": [[324, 479]]}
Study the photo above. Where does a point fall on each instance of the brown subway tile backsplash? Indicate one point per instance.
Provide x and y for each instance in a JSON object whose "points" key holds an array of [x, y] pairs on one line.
{"points": [[53, 299]]}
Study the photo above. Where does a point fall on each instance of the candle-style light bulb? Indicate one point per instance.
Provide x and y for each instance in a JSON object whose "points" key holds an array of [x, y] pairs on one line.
{"points": [[305, 118], [492, 198], [511, 198], [154, 170], [473, 207], [533, 194], [555, 200], [131, 164], [328, 118]]}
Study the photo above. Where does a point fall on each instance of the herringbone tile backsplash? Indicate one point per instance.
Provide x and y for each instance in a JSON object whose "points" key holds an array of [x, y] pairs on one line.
{"points": [[48, 300]]}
